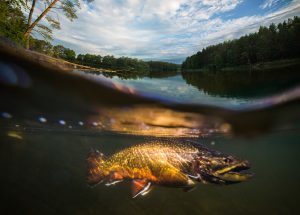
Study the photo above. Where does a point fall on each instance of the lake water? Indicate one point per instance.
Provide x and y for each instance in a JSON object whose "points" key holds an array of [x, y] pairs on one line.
{"points": [[175, 87], [48, 129]]}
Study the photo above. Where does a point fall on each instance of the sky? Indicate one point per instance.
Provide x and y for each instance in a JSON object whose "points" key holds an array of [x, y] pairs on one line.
{"points": [[166, 30]]}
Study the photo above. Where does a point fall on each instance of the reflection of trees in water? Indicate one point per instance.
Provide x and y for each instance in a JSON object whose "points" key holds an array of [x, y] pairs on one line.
{"points": [[164, 74], [122, 75], [128, 68], [134, 75], [238, 83]]}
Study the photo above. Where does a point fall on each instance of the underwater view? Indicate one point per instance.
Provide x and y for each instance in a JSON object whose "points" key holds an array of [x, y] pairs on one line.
{"points": [[129, 115]]}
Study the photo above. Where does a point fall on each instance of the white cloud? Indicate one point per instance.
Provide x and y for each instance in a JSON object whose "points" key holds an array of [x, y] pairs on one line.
{"points": [[158, 29], [268, 3]]}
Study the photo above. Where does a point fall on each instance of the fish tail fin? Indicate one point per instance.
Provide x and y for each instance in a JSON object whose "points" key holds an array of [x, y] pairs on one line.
{"points": [[95, 161]]}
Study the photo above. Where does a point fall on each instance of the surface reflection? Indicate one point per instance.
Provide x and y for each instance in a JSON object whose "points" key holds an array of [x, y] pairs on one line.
{"points": [[244, 83], [157, 121]]}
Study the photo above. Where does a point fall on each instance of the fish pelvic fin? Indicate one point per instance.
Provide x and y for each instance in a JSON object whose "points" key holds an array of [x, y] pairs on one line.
{"points": [[95, 161], [114, 178], [140, 187]]}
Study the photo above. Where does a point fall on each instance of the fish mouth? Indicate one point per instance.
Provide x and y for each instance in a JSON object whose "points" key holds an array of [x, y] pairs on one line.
{"points": [[234, 173]]}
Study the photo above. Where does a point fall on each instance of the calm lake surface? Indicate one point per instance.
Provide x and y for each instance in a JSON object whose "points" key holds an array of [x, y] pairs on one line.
{"points": [[43, 150], [175, 87]]}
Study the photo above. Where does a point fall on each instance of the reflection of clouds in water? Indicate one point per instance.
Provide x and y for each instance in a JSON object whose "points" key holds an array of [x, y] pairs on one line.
{"points": [[176, 88], [183, 89], [163, 88]]}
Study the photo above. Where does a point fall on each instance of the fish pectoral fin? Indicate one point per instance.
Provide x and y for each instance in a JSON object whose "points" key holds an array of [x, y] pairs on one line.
{"points": [[140, 187]]}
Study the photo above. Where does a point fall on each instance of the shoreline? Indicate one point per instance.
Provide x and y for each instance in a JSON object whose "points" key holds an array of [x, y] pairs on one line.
{"points": [[49, 60], [62, 64], [254, 67]]}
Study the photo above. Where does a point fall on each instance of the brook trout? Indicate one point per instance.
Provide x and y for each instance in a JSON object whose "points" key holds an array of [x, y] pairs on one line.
{"points": [[172, 165]]}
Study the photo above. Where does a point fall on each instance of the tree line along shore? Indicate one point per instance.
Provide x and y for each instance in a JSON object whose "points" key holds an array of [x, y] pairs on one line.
{"points": [[270, 44]]}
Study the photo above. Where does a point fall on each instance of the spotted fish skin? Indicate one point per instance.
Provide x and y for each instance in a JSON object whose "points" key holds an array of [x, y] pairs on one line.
{"points": [[158, 163], [173, 165]]}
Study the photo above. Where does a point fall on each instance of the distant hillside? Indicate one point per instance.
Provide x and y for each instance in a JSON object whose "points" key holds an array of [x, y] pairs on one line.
{"points": [[276, 42]]}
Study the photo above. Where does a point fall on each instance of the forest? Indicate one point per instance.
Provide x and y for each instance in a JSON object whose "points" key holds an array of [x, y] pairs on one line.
{"points": [[14, 25], [276, 42]]}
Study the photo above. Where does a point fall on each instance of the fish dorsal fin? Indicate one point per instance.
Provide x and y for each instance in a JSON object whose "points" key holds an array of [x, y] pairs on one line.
{"points": [[140, 187]]}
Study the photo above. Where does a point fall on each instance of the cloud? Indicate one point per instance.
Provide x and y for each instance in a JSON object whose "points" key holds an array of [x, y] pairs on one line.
{"points": [[159, 29], [269, 3]]}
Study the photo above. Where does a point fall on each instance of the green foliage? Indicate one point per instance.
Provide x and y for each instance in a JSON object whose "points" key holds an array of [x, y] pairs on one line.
{"points": [[160, 69], [158, 66], [53, 22], [60, 51], [126, 67], [44, 31], [69, 7], [12, 20], [268, 44], [41, 46], [129, 65], [15, 26]]}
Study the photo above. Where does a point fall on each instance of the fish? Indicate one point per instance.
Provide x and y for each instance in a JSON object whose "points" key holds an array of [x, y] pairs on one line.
{"points": [[175, 165]]}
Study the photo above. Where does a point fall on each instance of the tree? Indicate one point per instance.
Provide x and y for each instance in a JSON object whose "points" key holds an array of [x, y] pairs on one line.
{"points": [[108, 61], [268, 44], [68, 8], [218, 61], [60, 51], [158, 66], [70, 54], [41, 46], [12, 20]]}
